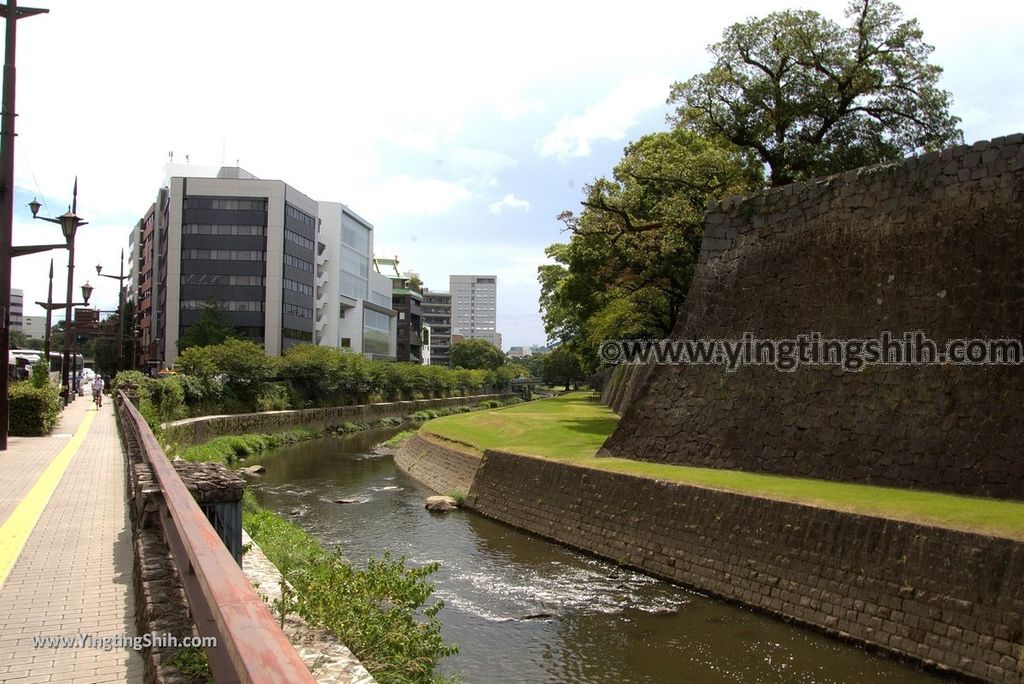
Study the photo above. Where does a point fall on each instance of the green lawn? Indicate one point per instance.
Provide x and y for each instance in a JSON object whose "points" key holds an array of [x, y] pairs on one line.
{"points": [[571, 429]]}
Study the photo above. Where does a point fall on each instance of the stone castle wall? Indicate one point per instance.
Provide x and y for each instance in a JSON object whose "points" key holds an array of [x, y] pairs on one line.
{"points": [[932, 244]]}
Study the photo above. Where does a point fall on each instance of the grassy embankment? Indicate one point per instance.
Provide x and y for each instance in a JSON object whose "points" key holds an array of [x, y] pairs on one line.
{"points": [[571, 429]]}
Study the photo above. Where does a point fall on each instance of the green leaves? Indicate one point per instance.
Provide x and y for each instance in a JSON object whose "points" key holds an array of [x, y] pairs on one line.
{"points": [[810, 98], [212, 327], [381, 612], [628, 264], [474, 354]]}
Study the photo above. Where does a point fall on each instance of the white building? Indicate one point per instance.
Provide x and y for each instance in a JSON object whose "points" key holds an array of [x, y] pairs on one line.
{"points": [[475, 307], [353, 301]]}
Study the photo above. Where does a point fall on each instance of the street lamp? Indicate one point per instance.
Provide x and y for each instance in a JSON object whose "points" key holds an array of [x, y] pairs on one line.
{"points": [[69, 224], [120, 307], [51, 306], [11, 13]]}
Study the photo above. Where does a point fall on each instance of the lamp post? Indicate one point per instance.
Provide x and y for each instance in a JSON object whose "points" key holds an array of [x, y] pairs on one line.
{"points": [[11, 12], [51, 306], [120, 307], [69, 224]]}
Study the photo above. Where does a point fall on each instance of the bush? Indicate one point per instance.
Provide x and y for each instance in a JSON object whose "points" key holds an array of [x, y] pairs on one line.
{"points": [[34, 411], [229, 448], [380, 612], [272, 398]]}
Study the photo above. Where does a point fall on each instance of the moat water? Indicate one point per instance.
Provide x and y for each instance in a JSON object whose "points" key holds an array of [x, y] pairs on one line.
{"points": [[523, 609]]}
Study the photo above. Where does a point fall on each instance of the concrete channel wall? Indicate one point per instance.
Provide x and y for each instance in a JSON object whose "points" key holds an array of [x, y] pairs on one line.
{"points": [[205, 428], [950, 600]]}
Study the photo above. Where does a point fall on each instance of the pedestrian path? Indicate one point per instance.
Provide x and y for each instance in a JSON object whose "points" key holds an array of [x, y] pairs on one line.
{"points": [[66, 554]]}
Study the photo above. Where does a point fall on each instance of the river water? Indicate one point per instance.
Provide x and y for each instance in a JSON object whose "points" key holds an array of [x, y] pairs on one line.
{"points": [[523, 609]]}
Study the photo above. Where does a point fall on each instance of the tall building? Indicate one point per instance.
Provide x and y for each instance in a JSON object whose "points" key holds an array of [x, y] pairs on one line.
{"points": [[475, 307], [17, 309], [283, 268], [353, 299], [437, 315], [142, 287]]}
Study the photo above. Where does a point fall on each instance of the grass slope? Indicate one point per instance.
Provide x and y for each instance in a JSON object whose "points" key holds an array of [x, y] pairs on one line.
{"points": [[571, 429]]}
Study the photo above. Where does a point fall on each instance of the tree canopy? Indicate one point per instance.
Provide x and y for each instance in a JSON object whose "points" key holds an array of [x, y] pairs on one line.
{"points": [[210, 328], [631, 254], [475, 354], [810, 97]]}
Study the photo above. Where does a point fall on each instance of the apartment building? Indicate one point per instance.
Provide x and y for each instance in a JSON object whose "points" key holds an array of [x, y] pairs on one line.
{"points": [[407, 301], [437, 316], [474, 307]]}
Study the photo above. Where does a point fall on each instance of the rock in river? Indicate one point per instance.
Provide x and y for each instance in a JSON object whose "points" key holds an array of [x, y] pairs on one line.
{"points": [[441, 504]]}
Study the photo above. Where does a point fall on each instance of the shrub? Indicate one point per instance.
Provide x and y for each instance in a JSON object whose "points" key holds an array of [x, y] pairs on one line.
{"points": [[40, 375], [34, 411], [379, 612], [272, 398]]}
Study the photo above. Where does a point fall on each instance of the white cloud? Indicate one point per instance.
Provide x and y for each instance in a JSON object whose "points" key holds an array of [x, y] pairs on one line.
{"points": [[608, 119], [510, 201]]}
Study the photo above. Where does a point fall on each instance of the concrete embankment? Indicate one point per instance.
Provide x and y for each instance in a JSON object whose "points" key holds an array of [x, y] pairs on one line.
{"points": [[205, 428], [951, 600]]}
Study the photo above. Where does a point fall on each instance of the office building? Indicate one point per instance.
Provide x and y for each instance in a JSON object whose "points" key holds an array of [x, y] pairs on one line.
{"points": [[35, 327], [283, 268], [353, 299], [17, 309], [474, 312]]}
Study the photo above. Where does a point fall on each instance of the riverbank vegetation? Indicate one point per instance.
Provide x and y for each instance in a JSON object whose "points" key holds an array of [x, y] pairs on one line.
{"points": [[572, 428], [382, 612], [230, 449], [237, 376]]}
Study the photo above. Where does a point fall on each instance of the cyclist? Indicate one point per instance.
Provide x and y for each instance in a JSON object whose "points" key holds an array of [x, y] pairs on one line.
{"points": [[97, 390]]}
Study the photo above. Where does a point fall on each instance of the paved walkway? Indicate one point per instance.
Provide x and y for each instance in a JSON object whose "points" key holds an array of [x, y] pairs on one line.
{"points": [[66, 554]]}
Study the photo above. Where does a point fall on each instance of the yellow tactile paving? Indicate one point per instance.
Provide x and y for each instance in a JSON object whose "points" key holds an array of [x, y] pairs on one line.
{"points": [[73, 575], [15, 530]]}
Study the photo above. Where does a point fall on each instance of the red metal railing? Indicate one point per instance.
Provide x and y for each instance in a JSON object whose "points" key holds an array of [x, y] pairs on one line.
{"points": [[250, 645]]}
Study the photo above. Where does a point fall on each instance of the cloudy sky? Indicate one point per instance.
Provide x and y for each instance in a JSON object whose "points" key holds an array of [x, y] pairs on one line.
{"points": [[459, 129]]}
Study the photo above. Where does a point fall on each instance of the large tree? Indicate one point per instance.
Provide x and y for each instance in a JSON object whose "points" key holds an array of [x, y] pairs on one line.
{"points": [[475, 353], [632, 250], [812, 98]]}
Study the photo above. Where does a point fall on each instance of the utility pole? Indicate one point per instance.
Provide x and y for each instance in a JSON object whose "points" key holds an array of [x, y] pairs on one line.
{"points": [[12, 13]]}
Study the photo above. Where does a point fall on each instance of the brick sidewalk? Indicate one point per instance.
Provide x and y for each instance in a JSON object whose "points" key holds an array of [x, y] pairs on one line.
{"points": [[74, 574]]}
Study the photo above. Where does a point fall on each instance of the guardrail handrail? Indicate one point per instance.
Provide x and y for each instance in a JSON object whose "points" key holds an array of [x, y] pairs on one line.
{"points": [[250, 645]]}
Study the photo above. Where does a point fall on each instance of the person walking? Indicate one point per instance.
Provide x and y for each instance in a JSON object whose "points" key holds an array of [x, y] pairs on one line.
{"points": [[97, 390]]}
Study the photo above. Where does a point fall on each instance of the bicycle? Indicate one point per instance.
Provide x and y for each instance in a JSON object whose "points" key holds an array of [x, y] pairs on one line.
{"points": [[97, 398]]}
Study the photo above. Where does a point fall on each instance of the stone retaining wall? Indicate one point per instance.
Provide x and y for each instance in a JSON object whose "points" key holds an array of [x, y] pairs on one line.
{"points": [[205, 428], [948, 599], [441, 468], [951, 600]]}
